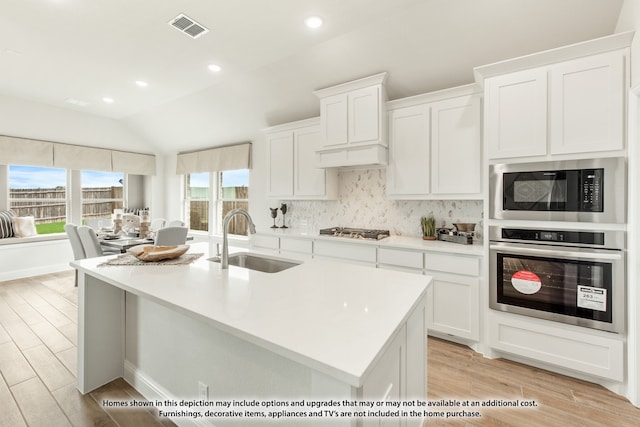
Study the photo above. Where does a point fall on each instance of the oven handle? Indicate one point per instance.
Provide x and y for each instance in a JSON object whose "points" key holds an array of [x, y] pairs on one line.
{"points": [[568, 253]]}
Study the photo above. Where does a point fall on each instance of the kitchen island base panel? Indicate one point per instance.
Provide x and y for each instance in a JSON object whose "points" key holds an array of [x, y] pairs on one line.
{"points": [[168, 352], [101, 309]]}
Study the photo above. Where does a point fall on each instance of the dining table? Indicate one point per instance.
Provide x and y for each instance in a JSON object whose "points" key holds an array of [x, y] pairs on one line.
{"points": [[125, 242]]}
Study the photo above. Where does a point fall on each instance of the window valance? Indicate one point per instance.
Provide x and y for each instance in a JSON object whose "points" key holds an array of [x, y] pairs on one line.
{"points": [[27, 152], [31, 152], [78, 157], [231, 157]]}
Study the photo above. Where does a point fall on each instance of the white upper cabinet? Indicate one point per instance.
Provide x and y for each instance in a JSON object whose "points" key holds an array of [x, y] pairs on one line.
{"points": [[292, 163], [409, 153], [456, 148], [333, 111], [364, 115], [561, 103], [353, 123], [516, 114], [435, 148], [280, 164], [586, 110]]}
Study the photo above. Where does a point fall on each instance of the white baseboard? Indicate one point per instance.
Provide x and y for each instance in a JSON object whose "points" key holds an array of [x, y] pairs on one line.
{"points": [[152, 391], [35, 271]]}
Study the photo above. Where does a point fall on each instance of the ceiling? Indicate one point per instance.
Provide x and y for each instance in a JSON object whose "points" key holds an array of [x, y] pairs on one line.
{"points": [[55, 50]]}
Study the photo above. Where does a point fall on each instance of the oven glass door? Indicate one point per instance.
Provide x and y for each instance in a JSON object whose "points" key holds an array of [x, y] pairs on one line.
{"points": [[568, 287], [542, 191], [578, 286]]}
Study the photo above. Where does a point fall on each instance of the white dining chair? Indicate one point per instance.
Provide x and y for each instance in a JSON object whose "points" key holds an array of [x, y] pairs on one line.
{"points": [[157, 224], [170, 236], [99, 223], [76, 244], [91, 244], [175, 223]]}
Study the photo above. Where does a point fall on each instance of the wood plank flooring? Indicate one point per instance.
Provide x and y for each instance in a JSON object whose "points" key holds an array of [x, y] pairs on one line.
{"points": [[38, 334], [38, 367]]}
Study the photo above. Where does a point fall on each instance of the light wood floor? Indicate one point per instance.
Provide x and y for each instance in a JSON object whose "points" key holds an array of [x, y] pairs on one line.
{"points": [[38, 365]]}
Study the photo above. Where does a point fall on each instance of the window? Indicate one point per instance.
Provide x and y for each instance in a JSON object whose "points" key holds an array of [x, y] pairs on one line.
{"points": [[233, 194], [197, 206], [40, 192], [102, 192], [218, 192]]}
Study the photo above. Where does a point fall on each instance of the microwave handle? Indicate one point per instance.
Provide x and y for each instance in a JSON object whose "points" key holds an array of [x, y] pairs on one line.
{"points": [[568, 253]]}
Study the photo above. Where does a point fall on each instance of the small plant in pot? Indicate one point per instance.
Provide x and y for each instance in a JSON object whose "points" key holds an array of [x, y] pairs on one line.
{"points": [[428, 225]]}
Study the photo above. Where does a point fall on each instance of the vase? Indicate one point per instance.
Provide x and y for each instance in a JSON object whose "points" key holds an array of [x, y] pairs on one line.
{"points": [[428, 237]]}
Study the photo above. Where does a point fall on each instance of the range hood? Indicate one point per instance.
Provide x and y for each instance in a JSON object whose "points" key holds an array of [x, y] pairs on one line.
{"points": [[353, 155]]}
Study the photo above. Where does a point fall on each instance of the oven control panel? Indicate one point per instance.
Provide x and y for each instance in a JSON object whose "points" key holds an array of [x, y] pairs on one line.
{"points": [[559, 236], [592, 190]]}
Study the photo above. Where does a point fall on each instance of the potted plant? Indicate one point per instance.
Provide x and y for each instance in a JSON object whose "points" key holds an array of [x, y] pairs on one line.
{"points": [[428, 225]]}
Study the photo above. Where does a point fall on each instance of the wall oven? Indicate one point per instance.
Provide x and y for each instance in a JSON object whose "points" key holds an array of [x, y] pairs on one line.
{"points": [[570, 276], [591, 190]]}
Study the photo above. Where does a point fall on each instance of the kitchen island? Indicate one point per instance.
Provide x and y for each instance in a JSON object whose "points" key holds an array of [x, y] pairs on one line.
{"points": [[321, 330]]}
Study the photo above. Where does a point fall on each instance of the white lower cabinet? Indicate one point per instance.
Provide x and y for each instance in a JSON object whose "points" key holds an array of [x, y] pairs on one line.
{"points": [[454, 303], [454, 295], [294, 246], [261, 241], [400, 259], [591, 352], [349, 252]]}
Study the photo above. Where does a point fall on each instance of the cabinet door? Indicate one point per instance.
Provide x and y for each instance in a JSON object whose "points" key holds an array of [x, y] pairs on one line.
{"points": [[587, 104], [516, 114], [364, 114], [408, 171], [280, 164], [333, 120], [454, 305], [456, 146], [309, 179]]}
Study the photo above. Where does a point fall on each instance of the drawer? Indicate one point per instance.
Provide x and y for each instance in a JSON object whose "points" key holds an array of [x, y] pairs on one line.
{"points": [[262, 241], [304, 246], [353, 252], [452, 263], [401, 258]]}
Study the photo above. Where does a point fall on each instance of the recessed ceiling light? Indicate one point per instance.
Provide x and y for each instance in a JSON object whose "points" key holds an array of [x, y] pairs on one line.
{"points": [[142, 83], [313, 22], [215, 68], [108, 100]]}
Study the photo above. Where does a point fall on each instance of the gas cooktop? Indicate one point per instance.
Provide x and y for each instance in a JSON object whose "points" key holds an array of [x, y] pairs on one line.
{"points": [[355, 233]]}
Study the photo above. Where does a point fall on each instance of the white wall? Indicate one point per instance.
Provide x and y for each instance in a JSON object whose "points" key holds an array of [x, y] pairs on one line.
{"points": [[27, 119]]}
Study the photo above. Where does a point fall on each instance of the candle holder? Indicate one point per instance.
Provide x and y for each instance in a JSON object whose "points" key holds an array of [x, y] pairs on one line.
{"points": [[274, 214], [283, 208]]}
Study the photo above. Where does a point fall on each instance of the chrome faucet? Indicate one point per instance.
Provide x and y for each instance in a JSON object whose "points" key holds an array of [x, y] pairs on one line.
{"points": [[224, 262]]}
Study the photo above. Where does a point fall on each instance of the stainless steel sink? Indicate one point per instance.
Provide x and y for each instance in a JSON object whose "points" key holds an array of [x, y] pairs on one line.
{"points": [[258, 262]]}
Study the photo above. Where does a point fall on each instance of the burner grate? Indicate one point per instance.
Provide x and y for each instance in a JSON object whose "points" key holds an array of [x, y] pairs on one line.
{"points": [[355, 233]]}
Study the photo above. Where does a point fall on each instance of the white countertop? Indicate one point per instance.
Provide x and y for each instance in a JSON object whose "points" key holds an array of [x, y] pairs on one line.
{"points": [[333, 317], [402, 242]]}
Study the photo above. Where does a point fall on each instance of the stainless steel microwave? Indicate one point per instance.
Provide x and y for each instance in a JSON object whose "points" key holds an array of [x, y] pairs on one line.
{"points": [[591, 190]]}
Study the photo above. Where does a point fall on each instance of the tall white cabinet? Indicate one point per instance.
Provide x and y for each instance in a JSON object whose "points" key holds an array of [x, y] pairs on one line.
{"points": [[435, 147], [292, 166]]}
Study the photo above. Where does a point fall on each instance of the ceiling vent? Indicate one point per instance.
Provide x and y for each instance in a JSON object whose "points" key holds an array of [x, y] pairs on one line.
{"points": [[188, 26]]}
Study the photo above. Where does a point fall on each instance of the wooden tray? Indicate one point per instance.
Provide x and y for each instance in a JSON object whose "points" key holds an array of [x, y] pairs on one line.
{"points": [[157, 253]]}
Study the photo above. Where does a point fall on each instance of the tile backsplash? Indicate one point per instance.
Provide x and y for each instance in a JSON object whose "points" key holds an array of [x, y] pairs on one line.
{"points": [[362, 203]]}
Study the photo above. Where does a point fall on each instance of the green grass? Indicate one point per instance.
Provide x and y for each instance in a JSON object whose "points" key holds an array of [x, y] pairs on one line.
{"points": [[49, 228]]}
